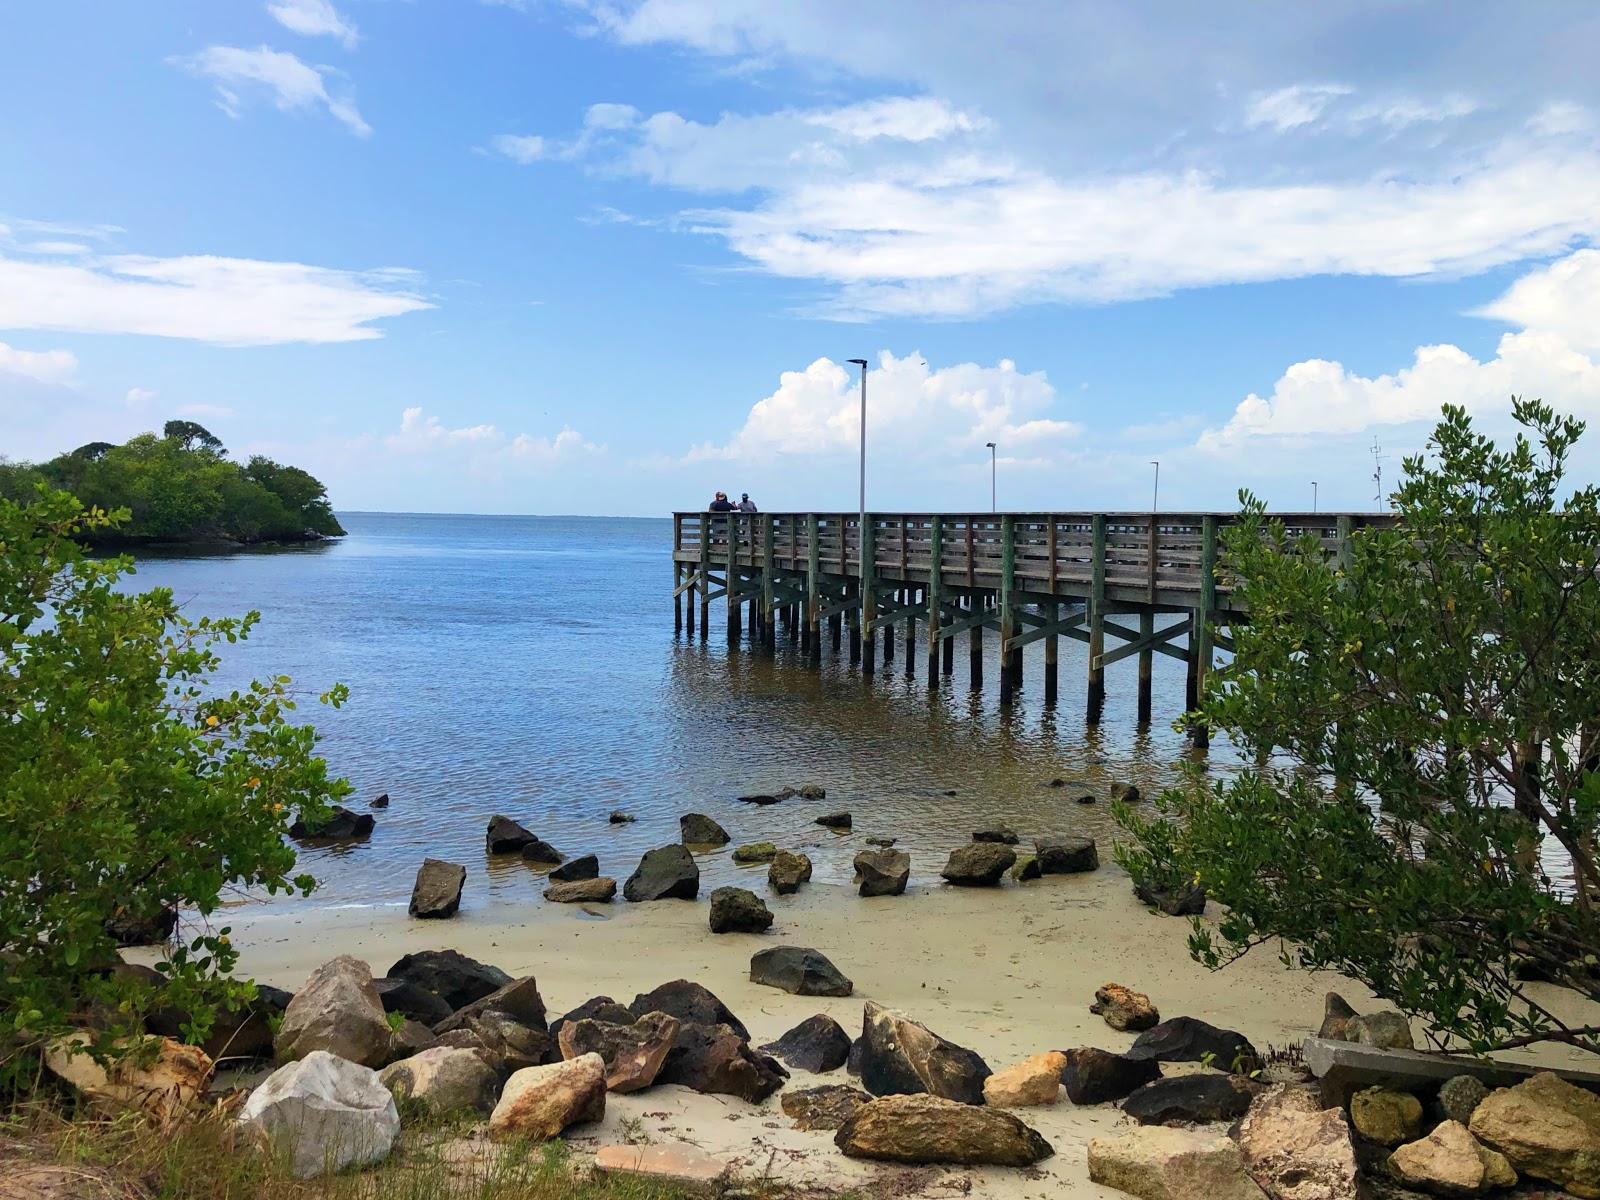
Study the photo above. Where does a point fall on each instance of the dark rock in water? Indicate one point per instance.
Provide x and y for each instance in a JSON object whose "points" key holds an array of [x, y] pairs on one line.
{"points": [[411, 1000], [1189, 901], [999, 835], [735, 910], [599, 1008], [718, 1060], [690, 1003], [600, 890], [826, 1107], [1336, 1014], [818, 1044], [1067, 856], [618, 817], [800, 971], [882, 843], [243, 1032], [450, 975], [1128, 793], [1057, 782], [1188, 1098], [762, 798], [128, 928], [505, 836], [437, 891], [883, 872], [926, 1129], [836, 821], [634, 1053], [1189, 1039], [1095, 1076], [585, 867], [1088, 798], [787, 872], [898, 1055], [812, 791], [381, 801], [980, 864], [1027, 869], [666, 873], [700, 830], [542, 852], [520, 1000], [340, 824]]}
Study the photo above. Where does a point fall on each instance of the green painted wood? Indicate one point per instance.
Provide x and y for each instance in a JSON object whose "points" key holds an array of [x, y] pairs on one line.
{"points": [[1097, 618], [1008, 616]]}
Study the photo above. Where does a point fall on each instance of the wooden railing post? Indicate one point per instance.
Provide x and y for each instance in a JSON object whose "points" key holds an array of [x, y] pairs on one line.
{"points": [[813, 585], [1051, 648], [1208, 603], [869, 596], [768, 625], [1097, 618], [1147, 619], [1008, 626], [730, 595], [705, 576], [935, 598]]}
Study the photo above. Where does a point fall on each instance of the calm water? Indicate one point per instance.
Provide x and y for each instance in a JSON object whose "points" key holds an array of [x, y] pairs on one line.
{"points": [[528, 665]]}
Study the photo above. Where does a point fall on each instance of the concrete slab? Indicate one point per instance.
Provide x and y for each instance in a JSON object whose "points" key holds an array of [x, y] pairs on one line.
{"points": [[676, 1162], [1344, 1068]]}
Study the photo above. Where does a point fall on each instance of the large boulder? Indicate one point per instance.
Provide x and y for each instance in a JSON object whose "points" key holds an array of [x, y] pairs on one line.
{"points": [[1548, 1128], [1386, 1116], [444, 1080], [538, 1103], [926, 1129], [599, 890], [1158, 1163], [691, 1003], [1123, 1008], [697, 829], [242, 1032], [1451, 1162], [883, 872], [979, 864], [1031, 1083], [340, 824], [1296, 1149], [437, 891], [450, 975], [818, 1044], [508, 1025], [586, 866], [826, 1107], [1067, 856], [164, 1087], [1095, 1076], [633, 1054], [735, 910], [800, 971], [1191, 1099], [666, 873], [322, 1114], [337, 1010], [411, 1000], [505, 836], [1189, 1039], [717, 1060], [597, 1008], [899, 1056], [788, 871]]}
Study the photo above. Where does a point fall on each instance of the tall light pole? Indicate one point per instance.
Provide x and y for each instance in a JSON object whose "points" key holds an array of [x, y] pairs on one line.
{"points": [[994, 503], [861, 529], [1313, 496], [1155, 495]]}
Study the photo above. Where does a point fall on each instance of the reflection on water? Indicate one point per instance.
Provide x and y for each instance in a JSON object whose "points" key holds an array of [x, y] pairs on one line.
{"points": [[528, 665]]}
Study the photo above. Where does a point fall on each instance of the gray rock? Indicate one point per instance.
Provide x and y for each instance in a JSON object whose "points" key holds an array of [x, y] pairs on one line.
{"points": [[735, 910], [1336, 1014], [339, 825], [618, 817], [323, 1114], [691, 1003], [755, 852], [1387, 1030], [411, 1000], [901, 1057], [980, 864], [788, 871], [1296, 1149], [1067, 856], [717, 1060], [1095, 1076], [698, 829], [666, 873], [1027, 869], [800, 971], [437, 891], [519, 999], [1189, 1039], [1000, 835], [505, 836], [633, 1053], [576, 870], [1128, 793], [444, 1080], [598, 1008], [379, 801], [1460, 1096], [1157, 1163], [836, 821], [541, 852], [883, 872], [818, 1044], [337, 1010], [450, 975]]}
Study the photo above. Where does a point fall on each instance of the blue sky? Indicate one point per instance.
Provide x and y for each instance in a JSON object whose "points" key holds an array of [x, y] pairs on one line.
{"points": [[597, 256]]}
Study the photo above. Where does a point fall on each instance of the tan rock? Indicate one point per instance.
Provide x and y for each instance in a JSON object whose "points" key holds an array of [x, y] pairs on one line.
{"points": [[338, 1010], [926, 1129], [1124, 1008], [444, 1079], [164, 1080], [1452, 1162], [633, 1054], [680, 1164], [1385, 1116], [1158, 1163], [1030, 1083], [1296, 1149], [540, 1102], [1548, 1128]]}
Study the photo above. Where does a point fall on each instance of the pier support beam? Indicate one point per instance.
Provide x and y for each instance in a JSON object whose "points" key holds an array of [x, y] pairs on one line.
{"points": [[767, 630], [677, 598], [1097, 620], [1008, 617], [869, 596], [935, 598], [1147, 627], [1200, 733], [813, 588], [977, 602], [1051, 653]]}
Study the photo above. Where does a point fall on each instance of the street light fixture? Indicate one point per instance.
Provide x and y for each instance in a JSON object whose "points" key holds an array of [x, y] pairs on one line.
{"points": [[862, 527], [1313, 495], [994, 504]]}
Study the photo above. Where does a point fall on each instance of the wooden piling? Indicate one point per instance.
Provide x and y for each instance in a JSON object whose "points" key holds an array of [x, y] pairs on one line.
{"points": [[1147, 627], [705, 577], [814, 586], [1008, 625], [1052, 613], [1200, 734], [767, 630], [1097, 619], [935, 598], [869, 596], [977, 604]]}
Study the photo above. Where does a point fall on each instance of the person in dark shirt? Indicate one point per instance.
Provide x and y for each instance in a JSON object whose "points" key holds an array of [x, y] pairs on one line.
{"points": [[746, 504], [721, 503]]}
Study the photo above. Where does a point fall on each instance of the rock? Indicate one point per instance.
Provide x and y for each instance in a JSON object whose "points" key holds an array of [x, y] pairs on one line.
{"points": [[683, 1167], [1548, 1128], [437, 891], [690, 1003], [598, 1008], [1031, 1083], [505, 1043], [1000, 835], [718, 1060], [1128, 793], [618, 817], [798, 970], [926, 1129], [761, 798], [128, 928], [700, 830], [755, 852], [826, 1107], [519, 999], [1088, 798], [980, 864], [541, 853], [1095, 1076], [1027, 869], [811, 791], [340, 824], [243, 1032], [1057, 782], [818, 1044], [852, 1064], [882, 843], [883, 872], [633, 1053], [1189, 1039], [1202, 1096], [1124, 1008], [1296, 1149], [412, 1038], [450, 975], [838, 821], [1186, 901], [1171, 1164], [164, 1088], [788, 871], [580, 869], [1386, 1116], [899, 1056], [379, 801], [539, 1102], [337, 1010], [322, 1115], [667, 873], [1460, 1096], [1451, 1162], [1336, 1014], [735, 910], [443, 1080], [601, 890], [411, 1000], [1067, 856], [1387, 1030], [505, 836]]}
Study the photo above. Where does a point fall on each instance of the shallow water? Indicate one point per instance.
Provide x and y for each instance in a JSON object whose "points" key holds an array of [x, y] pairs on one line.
{"points": [[528, 666]]}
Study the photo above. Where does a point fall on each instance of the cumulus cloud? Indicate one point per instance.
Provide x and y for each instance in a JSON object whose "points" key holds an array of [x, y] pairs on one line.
{"points": [[423, 433], [55, 367], [313, 18], [289, 83], [1562, 298]]}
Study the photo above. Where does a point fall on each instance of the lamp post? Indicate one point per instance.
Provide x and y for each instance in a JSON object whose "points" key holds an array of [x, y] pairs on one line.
{"points": [[994, 503], [861, 528], [1313, 495], [1155, 494]]}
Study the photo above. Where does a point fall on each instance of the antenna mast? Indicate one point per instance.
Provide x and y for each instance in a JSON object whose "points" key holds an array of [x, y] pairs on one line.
{"points": [[1377, 474]]}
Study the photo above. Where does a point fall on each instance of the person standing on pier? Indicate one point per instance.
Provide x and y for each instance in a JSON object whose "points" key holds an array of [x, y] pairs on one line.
{"points": [[720, 503], [746, 504]]}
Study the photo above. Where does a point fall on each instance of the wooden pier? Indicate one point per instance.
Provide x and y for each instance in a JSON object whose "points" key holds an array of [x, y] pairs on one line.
{"points": [[1106, 579]]}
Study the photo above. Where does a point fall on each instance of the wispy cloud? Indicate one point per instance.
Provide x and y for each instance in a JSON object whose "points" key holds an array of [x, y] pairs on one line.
{"points": [[289, 83], [1292, 107], [314, 18], [57, 367], [484, 445]]}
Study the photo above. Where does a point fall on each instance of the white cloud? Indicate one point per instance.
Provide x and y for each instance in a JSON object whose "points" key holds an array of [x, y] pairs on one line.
{"points": [[519, 147], [1291, 107], [1562, 298], [138, 397], [313, 18], [424, 433], [901, 118], [911, 409], [1561, 117], [1405, 111], [227, 301], [55, 367], [292, 85]]}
